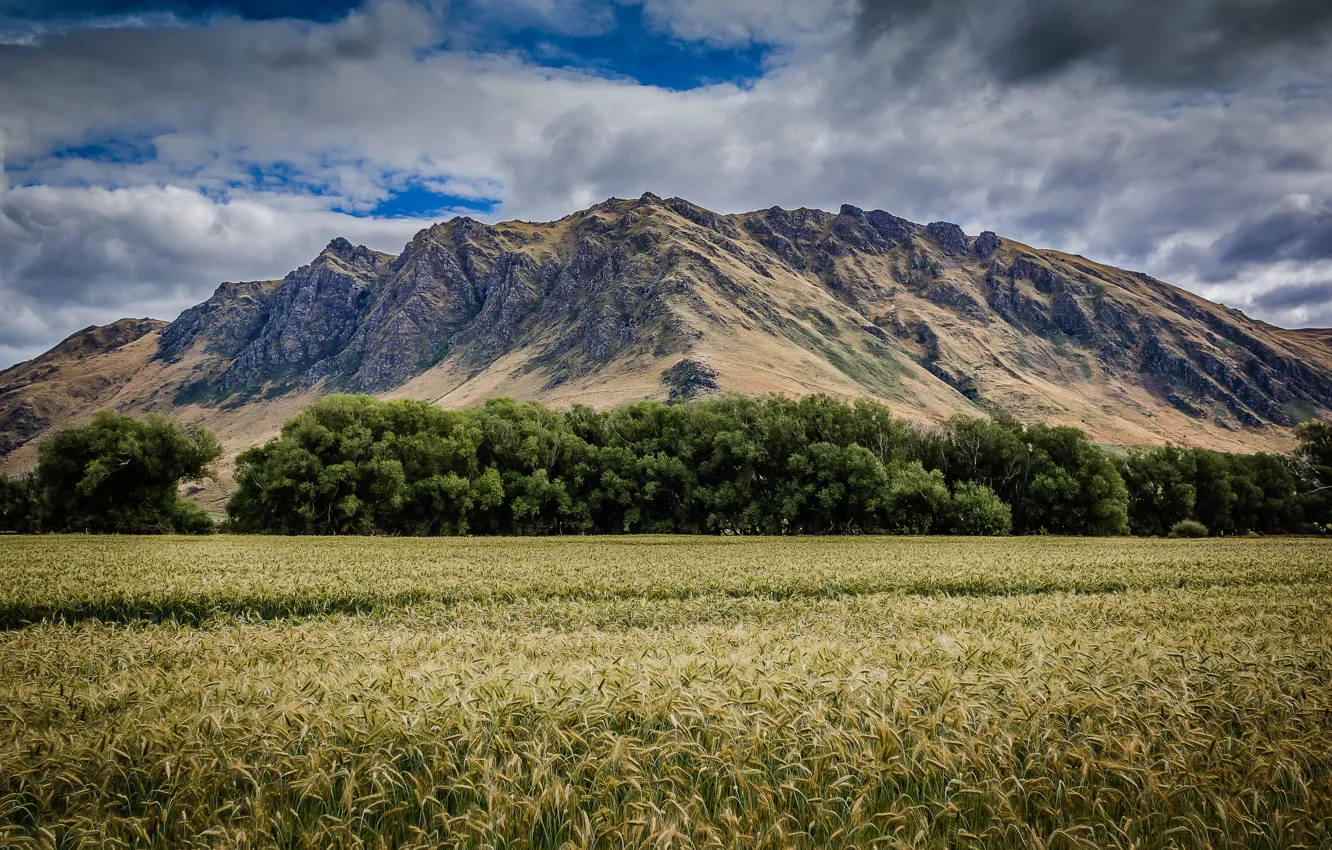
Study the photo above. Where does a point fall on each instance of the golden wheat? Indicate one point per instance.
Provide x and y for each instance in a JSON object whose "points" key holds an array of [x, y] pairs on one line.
{"points": [[244, 692]]}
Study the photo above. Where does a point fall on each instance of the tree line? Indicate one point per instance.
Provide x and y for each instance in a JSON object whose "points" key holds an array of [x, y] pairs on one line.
{"points": [[352, 464]]}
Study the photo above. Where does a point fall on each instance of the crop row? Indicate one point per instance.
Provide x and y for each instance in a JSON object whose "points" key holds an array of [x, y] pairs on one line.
{"points": [[192, 579]]}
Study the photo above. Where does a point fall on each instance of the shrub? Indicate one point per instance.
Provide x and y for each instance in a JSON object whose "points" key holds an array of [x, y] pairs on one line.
{"points": [[977, 510], [1188, 528], [917, 499], [186, 517]]}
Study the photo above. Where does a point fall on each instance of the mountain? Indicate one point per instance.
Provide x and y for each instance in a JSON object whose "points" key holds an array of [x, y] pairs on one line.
{"points": [[654, 298]]}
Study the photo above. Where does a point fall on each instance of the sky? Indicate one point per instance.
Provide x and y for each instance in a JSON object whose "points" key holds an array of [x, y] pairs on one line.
{"points": [[151, 149]]}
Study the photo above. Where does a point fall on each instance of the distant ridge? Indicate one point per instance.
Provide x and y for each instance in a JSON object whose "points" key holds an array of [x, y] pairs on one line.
{"points": [[658, 298]]}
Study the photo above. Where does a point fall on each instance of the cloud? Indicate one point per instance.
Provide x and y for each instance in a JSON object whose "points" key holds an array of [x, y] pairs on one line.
{"points": [[1297, 296], [74, 257], [1143, 42], [739, 22], [145, 166], [1299, 229]]}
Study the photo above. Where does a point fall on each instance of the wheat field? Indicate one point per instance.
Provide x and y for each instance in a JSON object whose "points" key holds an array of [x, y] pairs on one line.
{"points": [[665, 692]]}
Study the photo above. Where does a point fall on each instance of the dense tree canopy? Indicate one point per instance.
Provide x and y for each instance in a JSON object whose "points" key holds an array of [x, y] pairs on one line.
{"points": [[352, 464], [1225, 493], [116, 474], [729, 464], [1313, 469]]}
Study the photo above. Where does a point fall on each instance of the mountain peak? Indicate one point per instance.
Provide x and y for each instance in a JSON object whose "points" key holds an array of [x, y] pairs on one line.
{"points": [[599, 306], [357, 257]]}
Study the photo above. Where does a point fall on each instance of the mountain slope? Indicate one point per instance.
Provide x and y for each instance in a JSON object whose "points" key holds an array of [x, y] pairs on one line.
{"points": [[650, 298]]}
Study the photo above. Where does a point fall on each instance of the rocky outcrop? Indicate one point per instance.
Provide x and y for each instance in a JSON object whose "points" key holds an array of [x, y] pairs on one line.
{"points": [[225, 323], [689, 379], [1070, 317], [1016, 307], [1042, 276], [951, 295], [948, 236], [288, 333], [1160, 358], [890, 227], [986, 244], [428, 295], [790, 234]]}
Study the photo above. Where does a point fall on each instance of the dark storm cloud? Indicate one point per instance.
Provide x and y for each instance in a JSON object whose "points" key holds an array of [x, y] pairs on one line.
{"points": [[1295, 296], [1142, 42], [1300, 233]]}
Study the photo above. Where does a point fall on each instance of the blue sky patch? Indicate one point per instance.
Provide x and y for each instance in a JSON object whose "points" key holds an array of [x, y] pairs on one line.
{"points": [[419, 201], [131, 151], [626, 44], [633, 48], [410, 198]]}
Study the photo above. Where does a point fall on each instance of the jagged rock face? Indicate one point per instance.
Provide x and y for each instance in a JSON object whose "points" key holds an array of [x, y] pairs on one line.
{"points": [[651, 279], [226, 322], [1018, 308], [874, 231], [788, 233], [689, 379], [1031, 269], [1069, 316], [288, 333], [424, 298], [948, 236], [369, 322], [986, 244]]}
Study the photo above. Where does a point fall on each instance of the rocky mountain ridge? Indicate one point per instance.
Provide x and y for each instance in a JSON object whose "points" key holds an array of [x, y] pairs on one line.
{"points": [[653, 297]]}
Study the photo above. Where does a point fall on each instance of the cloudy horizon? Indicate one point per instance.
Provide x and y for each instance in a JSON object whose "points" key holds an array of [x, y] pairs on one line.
{"points": [[151, 149]]}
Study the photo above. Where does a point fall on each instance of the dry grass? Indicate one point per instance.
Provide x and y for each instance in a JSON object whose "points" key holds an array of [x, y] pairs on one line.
{"points": [[666, 693]]}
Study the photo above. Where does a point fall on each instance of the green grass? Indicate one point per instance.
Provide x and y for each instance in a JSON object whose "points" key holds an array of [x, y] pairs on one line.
{"points": [[665, 692]]}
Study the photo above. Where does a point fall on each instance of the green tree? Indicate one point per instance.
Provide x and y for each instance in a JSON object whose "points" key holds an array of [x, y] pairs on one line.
{"points": [[975, 509], [1160, 486], [849, 490], [993, 452], [1312, 464], [1215, 498], [1266, 494], [917, 499], [1073, 486], [121, 474], [16, 507]]}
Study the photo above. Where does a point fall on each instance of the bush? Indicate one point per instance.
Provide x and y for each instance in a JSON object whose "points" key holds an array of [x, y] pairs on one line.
{"points": [[188, 518], [977, 510], [1188, 528], [917, 499]]}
